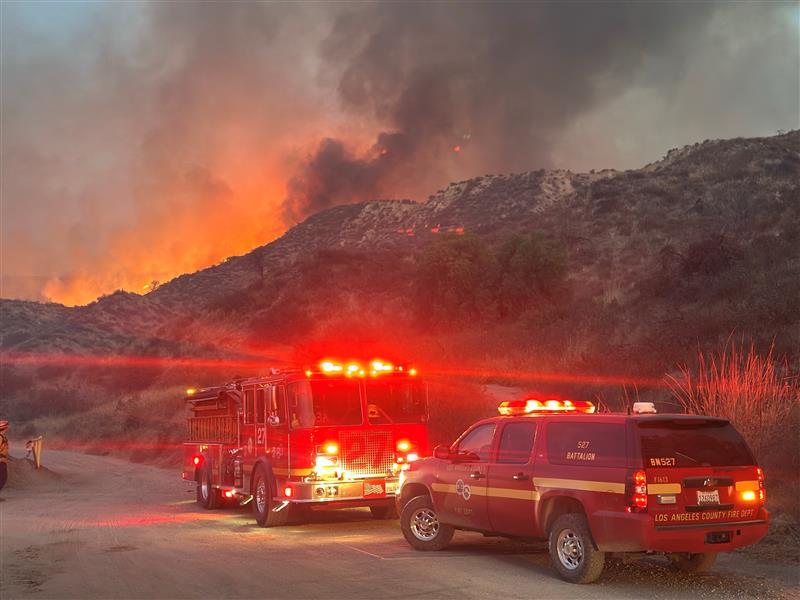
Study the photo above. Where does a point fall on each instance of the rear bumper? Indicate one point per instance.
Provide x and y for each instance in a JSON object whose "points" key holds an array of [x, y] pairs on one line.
{"points": [[636, 533]]}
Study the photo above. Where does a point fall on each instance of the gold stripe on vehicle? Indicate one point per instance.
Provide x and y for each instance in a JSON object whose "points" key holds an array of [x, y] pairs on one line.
{"points": [[580, 485], [493, 492], [664, 488], [512, 493], [292, 472], [451, 489], [747, 486]]}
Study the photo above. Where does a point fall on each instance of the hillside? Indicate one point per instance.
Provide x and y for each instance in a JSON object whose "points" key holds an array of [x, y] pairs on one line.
{"points": [[660, 261]]}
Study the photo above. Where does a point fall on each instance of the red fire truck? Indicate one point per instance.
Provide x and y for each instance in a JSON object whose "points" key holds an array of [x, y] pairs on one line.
{"points": [[336, 435]]}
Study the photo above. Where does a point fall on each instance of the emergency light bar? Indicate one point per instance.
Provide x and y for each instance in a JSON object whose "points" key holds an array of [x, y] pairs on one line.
{"points": [[351, 369], [530, 406]]}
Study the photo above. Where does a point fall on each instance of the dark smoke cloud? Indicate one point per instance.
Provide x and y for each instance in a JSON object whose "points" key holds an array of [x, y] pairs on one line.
{"points": [[499, 82], [142, 140]]}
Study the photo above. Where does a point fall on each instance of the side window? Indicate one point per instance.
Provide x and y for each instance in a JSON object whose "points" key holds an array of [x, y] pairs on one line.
{"points": [[516, 443], [596, 444], [249, 409], [478, 441], [261, 404], [280, 403], [301, 408]]}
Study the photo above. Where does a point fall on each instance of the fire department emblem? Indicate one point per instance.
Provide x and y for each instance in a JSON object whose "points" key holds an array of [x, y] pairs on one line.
{"points": [[462, 489], [250, 446]]}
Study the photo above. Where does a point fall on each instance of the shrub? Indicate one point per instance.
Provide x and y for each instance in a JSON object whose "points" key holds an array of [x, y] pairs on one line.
{"points": [[531, 267], [758, 394], [455, 279]]}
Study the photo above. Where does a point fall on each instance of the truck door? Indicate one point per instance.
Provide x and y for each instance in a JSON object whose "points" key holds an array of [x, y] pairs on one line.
{"points": [[261, 419], [461, 487], [277, 442], [511, 502]]}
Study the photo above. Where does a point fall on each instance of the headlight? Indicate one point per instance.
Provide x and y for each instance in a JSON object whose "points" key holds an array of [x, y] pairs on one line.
{"points": [[324, 462]]}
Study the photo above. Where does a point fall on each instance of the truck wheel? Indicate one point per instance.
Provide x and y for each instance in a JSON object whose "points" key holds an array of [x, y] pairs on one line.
{"points": [[572, 550], [207, 496], [263, 503], [383, 513], [693, 563], [421, 527]]}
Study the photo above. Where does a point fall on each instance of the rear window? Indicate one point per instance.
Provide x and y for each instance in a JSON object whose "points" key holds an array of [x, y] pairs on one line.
{"points": [[594, 444], [683, 443]]}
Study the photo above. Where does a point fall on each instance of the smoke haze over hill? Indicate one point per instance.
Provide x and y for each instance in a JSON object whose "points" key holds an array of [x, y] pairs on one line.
{"points": [[144, 140]]}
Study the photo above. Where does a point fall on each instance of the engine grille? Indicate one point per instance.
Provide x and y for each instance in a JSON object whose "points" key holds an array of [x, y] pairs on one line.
{"points": [[366, 453]]}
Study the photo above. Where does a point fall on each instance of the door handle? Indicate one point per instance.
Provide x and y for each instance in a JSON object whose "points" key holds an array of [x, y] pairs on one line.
{"points": [[519, 477], [476, 475]]}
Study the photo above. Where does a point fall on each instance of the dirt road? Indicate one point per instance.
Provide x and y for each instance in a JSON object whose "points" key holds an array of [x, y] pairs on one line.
{"points": [[97, 527]]}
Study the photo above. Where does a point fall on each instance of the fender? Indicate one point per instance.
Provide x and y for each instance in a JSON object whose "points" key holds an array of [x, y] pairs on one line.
{"points": [[406, 493], [544, 508]]}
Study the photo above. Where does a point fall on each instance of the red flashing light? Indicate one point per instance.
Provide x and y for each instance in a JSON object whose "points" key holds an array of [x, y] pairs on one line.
{"points": [[197, 460], [532, 406], [354, 369], [288, 492], [403, 446], [229, 493]]}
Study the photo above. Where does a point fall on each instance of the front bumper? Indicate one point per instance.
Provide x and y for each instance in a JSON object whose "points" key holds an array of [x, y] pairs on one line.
{"points": [[615, 532], [367, 490]]}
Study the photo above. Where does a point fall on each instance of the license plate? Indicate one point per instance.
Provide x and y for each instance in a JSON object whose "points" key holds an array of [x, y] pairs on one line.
{"points": [[374, 488], [708, 497], [391, 487]]}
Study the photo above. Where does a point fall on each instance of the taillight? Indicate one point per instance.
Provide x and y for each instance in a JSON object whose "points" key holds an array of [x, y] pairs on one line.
{"points": [[637, 492], [762, 491]]}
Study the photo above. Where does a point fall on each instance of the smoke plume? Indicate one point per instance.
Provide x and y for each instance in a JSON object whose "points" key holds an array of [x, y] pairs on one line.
{"points": [[144, 140]]}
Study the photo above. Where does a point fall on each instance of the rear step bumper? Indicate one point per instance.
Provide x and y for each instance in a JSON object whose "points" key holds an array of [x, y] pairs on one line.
{"points": [[636, 533]]}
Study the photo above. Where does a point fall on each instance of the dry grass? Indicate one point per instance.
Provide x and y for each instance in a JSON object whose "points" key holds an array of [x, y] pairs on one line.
{"points": [[757, 393]]}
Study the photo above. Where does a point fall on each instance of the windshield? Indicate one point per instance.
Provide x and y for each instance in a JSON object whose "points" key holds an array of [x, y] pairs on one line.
{"points": [[693, 443], [323, 403], [395, 401]]}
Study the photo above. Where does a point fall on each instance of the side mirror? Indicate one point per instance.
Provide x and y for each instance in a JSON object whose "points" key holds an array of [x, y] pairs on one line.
{"points": [[442, 452]]}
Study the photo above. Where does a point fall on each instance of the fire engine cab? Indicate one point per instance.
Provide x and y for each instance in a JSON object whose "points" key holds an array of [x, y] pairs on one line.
{"points": [[336, 435], [591, 484]]}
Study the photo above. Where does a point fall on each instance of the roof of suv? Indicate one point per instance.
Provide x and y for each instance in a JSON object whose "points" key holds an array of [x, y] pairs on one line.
{"points": [[606, 417]]}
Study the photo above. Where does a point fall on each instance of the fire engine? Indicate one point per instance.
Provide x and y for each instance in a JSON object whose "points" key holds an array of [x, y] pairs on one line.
{"points": [[336, 435], [636, 484]]}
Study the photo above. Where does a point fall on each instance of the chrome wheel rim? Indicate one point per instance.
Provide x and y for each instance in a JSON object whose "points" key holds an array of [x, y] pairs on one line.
{"points": [[261, 496], [424, 524], [204, 485], [570, 549]]}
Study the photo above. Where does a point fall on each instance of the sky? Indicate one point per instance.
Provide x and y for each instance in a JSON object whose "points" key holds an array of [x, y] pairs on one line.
{"points": [[140, 141]]}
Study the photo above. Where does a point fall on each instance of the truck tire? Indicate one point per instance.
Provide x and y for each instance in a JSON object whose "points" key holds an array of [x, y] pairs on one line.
{"points": [[263, 503], [383, 513], [207, 496], [421, 527], [693, 563], [572, 549]]}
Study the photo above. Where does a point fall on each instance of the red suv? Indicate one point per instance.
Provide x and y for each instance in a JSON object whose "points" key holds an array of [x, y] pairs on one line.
{"points": [[591, 484]]}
